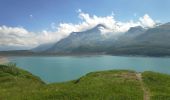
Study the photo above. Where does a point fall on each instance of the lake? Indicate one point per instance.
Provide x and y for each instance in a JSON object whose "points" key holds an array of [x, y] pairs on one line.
{"points": [[65, 68]]}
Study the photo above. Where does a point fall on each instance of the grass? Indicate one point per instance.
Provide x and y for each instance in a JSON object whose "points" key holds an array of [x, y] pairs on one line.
{"points": [[158, 84], [107, 85], [17, 84]]}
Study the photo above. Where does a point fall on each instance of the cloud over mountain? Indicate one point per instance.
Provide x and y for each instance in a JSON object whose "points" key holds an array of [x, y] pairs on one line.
{"points": [[18, 36], [147, 21]]}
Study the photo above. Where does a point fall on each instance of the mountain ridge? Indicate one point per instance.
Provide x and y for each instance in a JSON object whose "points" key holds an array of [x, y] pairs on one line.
{"points": [[137, 40]]}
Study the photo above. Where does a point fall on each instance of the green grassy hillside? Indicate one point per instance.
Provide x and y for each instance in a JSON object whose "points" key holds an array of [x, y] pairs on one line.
{"points": [[17, 84], [159, 85]]}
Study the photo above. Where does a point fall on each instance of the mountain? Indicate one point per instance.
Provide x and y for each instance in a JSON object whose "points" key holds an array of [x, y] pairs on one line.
{"points": [[129, 36], [88, 41], [42, 47], [91, 40], [135, 31], [9, 47], [136, 41], [153, 42], [158, 36]]}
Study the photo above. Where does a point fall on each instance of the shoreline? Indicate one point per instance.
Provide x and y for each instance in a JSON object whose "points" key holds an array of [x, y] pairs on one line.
{"points": [[76, 55], [3, 60]]}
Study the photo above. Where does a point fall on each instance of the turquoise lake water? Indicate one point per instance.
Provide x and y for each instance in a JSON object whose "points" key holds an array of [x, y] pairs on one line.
{"points": [[65, 68]]}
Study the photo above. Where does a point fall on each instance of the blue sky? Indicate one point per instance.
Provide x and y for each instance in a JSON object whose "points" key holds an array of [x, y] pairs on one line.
{"points": [[36, 15]]}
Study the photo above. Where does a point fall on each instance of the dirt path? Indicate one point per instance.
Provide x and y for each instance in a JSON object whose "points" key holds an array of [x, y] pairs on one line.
{"points": [[146, 95]]}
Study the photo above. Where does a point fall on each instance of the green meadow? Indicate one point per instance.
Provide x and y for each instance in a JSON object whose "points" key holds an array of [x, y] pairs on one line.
{"points": [[17, 84]]}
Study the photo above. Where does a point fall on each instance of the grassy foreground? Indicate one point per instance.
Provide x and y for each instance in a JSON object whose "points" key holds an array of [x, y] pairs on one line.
{"points": [[17, 84]]}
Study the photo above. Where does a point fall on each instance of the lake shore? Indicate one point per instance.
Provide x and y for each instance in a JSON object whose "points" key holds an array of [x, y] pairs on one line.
{"points": [[28, 53], [3, 60]]}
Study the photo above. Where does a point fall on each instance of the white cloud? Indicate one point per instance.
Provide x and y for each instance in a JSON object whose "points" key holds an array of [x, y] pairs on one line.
{"points": [[112, 25], [147, 21], [18, 36], [79, 10]]}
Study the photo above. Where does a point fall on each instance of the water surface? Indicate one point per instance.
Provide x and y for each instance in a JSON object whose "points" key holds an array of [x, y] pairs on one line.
{"points": [[64, 68]]}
